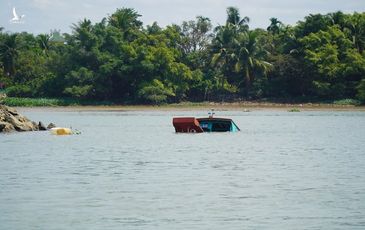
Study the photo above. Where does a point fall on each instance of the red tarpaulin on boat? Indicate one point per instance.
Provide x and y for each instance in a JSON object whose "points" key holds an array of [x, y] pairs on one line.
{"points": [[186, 125]]}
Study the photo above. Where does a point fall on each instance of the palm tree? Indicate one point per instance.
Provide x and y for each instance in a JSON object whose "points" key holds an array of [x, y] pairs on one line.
{"points": [[249, 58], [228, 41], [355, 25], [234, 18], [9, 53], [44, 42], [338, 18], [223, 50], [83, 34], [274, 26], [126, 19]]}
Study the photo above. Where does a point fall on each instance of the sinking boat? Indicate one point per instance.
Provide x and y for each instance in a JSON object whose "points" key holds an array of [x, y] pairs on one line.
{"points": [[207, 124]]}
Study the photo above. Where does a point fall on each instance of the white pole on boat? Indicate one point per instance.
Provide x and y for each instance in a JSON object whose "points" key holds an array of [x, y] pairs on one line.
{"points": [[211, 114]]}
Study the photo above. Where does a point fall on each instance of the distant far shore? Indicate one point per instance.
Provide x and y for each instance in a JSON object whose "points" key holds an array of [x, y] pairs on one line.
{"points": [[61, 104], [246, 106]]}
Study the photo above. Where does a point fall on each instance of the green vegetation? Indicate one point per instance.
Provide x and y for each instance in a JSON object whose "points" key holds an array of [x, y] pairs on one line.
{"points": [[29, 102], [347, 102], [16, 101], [294, 110], [118, 60]]}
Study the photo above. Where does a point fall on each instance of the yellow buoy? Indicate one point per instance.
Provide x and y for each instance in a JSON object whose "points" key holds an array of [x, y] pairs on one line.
{"points": [[61, 131]]}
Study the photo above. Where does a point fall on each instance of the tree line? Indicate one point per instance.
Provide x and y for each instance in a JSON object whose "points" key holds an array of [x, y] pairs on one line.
{"points": [[120, 60]]}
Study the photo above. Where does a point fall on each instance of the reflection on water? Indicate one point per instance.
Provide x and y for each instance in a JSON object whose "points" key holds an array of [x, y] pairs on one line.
{"points": [[129, 170]]}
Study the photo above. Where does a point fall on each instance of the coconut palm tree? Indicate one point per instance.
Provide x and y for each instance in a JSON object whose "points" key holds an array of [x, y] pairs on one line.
{"points": [[222, 47], [126, 19], [234, 18], [84, 35], [9, 53], [355, 27], [338, 18], [223, 43], [249, 58], [274, 26], [44, 42]]}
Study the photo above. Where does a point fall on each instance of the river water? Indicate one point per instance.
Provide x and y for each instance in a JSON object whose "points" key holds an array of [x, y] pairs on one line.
{"points": [[129, 170]]}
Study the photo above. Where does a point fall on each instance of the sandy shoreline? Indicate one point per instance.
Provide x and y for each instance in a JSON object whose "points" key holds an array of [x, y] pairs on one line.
{"points": [[246, 106]]}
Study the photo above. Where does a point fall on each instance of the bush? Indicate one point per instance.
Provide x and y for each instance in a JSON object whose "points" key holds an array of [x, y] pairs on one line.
{"points": [[294, 110], [156, 93], [79, 91], [347, 102], [361, 91], [321, 89], [19, 91]]}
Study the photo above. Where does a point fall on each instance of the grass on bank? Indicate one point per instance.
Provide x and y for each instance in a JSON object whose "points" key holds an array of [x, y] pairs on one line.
{"points": [[52, 102], [49, 102], [294, 110], [347, 102]]}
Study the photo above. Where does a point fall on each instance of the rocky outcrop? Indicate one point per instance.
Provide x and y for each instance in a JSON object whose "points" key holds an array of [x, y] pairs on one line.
{"points": [[11, 120]]}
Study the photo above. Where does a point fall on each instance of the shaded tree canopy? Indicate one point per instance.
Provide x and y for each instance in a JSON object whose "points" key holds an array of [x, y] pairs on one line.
{"points": [[118, 59]]}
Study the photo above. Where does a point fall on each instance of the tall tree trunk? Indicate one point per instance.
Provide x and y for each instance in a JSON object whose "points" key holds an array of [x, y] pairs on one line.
{"points": [[247, 81]]}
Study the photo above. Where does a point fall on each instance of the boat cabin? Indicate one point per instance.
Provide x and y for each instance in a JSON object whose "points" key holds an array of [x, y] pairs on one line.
{"points": [[217, 125], [200, 125]]}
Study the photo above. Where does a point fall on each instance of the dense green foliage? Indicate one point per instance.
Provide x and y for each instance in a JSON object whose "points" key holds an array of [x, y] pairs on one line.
{"points": [[49, 102], [119, 60]]}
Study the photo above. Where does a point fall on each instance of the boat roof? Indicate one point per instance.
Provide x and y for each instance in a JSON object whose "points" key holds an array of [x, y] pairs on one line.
{"points": [[213, 119]]}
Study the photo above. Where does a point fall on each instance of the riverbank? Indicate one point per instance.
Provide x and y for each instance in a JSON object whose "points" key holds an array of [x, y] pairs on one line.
{"points": [[236, 106], [62, 104]]}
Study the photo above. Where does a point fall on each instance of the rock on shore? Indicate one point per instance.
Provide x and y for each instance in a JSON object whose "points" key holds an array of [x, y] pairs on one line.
{"points": [[11, 120]]}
